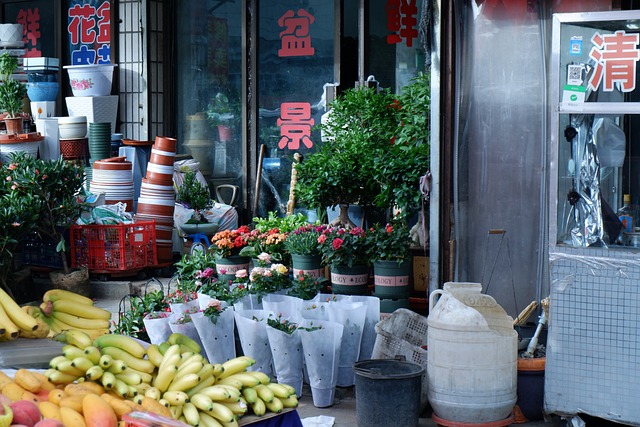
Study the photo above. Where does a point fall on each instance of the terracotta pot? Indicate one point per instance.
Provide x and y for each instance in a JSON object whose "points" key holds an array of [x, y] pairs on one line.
{"points": [[165, 158], [164, 143], [145, 208], [159, 178], [14, 125]]}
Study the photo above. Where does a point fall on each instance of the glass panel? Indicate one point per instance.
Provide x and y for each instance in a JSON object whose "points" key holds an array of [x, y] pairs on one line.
{"points": [[295, 63], [209, 70], [596, 161]]}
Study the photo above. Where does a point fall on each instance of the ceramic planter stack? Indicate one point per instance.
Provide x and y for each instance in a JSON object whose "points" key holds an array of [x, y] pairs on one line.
{"points": [[157, 196], [114, 178]]}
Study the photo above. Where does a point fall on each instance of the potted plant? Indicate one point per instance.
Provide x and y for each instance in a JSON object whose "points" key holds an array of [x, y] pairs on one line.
{"points": [[12, 93], [399, 167], [193, 194], [362, 123], [302, 246], [389, 249], [344, 250], [224, 114], [226, 246], [56, 187]]}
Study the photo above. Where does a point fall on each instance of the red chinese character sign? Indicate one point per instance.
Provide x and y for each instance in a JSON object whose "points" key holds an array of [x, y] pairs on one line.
{"points": [[89, 28], [295, 119], [37, 19], [616, 56], [402, 21], [295, 125]]}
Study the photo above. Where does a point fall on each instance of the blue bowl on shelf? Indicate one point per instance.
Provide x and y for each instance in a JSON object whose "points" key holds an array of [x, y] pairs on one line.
{"points": [[42, 91]]}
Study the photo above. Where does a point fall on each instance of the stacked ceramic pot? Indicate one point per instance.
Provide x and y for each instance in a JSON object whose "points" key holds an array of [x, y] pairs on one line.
{"points": [[99, 141], [114, 178], [157, 196]]}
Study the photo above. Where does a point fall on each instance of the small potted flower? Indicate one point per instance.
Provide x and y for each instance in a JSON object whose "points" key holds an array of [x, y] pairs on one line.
{"points": [[226, 246], [302, 245], [388, 248], [215, 327], [181, 301], [344, 250], [264, 280], [266, 247], [306, 286]]}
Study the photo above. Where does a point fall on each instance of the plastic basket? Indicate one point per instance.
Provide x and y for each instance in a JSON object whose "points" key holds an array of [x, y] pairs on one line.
{"points": [[41, 253], [105, 248], [403, 335], [73, 149]]}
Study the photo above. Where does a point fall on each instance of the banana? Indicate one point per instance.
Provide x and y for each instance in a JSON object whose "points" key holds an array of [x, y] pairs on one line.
{"points": [[183, 382], [206, 382], [129, 377], [217, 369], [131, 361], [105, 361], [68, 368], [275, 405], [264, 393], [190, 367], [143, 387], [221, 412], [93, 354], [56, 294], [53, 363], [175, 397], [290, 402], [163, 346], [123, 342], [261, 376], [154, 355], [233, 382], [206, 371], [239, 408], [292, 390], [81, 322], [191, 414], [19, 317], [94, 373], [234, 393], [121, 388], [181, 339], [201, 401], [193, 357], [153, 393], [246, 379], [58, 377], [71, 351], [11, 330], [170, 355], [234, 366], [74, 337], [250, 395], [144, 376], [258, 407], [82, 363], [80, 310], [279, 390], [164, 403], [164, 377], [176, 411], [117, 366], [207, 420], [108, 380]]}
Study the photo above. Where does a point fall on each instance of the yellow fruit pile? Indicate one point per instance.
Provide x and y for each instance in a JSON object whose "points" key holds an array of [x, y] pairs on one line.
{"points": [[172, 379]]}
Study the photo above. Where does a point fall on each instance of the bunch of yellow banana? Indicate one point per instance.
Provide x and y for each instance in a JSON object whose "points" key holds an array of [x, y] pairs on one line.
{"points": [[200, 393], [63, 310], [14, 321]]}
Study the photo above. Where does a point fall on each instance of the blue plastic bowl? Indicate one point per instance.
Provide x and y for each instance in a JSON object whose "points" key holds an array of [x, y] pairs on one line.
{"points": [[42, 91]]}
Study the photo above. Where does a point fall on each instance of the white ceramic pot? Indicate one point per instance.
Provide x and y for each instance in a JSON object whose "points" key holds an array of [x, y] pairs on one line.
{"points": [[73, 127], [90, 80], [10, 33]]}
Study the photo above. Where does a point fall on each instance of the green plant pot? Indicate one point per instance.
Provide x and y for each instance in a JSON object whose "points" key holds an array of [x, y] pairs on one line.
{"points": [[391, 279], [307, 264], [350, 280], [226, 267], [207, 228]]}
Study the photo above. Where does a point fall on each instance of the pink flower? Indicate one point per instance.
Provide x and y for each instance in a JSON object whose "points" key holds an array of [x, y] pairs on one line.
{"points": [[322, 238], [12, 166], [8, 178], [337, 244], [208, 272], [264, 257], [241, 274]]}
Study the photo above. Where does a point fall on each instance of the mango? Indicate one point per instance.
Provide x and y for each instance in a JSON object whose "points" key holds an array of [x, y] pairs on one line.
{"points": [[97, 412], [25, 412]]}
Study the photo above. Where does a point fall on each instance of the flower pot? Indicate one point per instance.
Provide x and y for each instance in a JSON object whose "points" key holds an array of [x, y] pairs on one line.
{"points": [[90, 79], [307, 264], [225, 133], [226, 267], [14, 125], [529, 406], [206, 228], [164, 143], [391, 279], [349, 280]]}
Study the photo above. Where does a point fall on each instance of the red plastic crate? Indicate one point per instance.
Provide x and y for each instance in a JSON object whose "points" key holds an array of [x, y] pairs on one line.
{"points": [[105, 248]]}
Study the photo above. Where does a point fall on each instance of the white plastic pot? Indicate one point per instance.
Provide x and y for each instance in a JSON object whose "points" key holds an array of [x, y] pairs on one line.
{"points": [[90, 80], [72, 127]]}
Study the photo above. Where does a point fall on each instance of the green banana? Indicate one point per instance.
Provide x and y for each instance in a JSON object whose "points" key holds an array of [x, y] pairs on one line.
{"points": [[123, 342], [181, 339]]}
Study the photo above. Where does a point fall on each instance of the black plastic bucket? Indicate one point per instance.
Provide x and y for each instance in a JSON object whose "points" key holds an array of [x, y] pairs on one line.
{"points": [[388, 393]]}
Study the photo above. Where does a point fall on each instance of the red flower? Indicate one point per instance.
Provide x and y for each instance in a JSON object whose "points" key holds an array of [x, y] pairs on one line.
{"points": [[322, 238], [389, 228], [337, 244]]}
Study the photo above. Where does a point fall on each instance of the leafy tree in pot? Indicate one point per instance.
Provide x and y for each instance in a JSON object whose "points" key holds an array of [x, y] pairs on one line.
{"points": [[12, 92], [194, 195]]}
